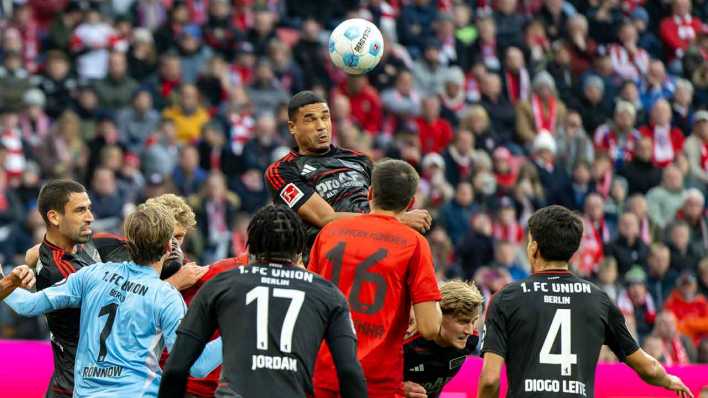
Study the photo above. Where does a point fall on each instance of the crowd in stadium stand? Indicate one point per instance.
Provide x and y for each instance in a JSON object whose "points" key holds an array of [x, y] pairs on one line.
{"points": [[503, 106]]}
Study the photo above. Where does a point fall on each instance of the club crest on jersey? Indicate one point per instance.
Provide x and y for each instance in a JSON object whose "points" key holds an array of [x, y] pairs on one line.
{"points": [[307, 169], [291, 194]]}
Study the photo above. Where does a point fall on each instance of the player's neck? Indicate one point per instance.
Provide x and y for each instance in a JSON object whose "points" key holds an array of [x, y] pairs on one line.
{"points": [[543, 266], [382, 212], [55, 237]]}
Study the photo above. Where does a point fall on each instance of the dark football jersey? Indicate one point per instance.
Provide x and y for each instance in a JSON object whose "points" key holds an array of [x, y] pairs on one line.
{"points": [[341, 177], [54, 265], [549, 328], [431, 365], [272, 320]]}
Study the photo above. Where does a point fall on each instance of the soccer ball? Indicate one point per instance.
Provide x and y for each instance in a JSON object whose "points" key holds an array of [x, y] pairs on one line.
{"points": [[356, 46]]}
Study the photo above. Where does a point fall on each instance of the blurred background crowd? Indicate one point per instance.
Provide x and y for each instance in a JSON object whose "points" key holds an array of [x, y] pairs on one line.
{"points": [[503, 106]]}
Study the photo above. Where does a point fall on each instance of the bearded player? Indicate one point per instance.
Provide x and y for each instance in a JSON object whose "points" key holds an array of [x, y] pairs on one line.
{"points": [[430, 364], [320, 181], [383, 268]]}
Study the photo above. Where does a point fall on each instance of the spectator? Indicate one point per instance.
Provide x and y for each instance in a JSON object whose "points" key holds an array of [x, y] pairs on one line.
{"points": [[618, 138], [597, 231], [402, 100], [628, 249], [168, 80], [252, 190], [679, 30], [528, 194], [516, 76], [188, 177], [592, 104], [116, 89], [262, 30], [559, 66], [629, 61], [212, 147], [456, 214], [505, 258], [506, 170], [14, 80], [681, 109], [214, 82], [647, 39], [215, 207], [138, 121], [365, 103], [459, 158], [266, 92], [310, 55], [506, 226], [56, 84], [499, 109], [636, 302], [574, 145], [219, 32], [605, 19], [640, 172], [693, 213], [667, 141], [90, 43], [428, 72], [107, 202], [683, 254], [477, 247], [690, 307], [161, 151], [573, 194], [664, 200], [486, 48], [677, 348], [661, 277], [258, 151], [35, 124], [509, 23], [435, 189], [543, 111], [629, 92], [656, 85], [696, 150], [582, 47], [435, 132], [703, 277], [607, 278], [452, 95], [543, 156], [142, 55], [415, 24], [188, 115]]}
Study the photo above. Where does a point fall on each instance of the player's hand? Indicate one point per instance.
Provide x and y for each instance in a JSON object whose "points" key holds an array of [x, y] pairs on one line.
{"points": [[175, 252], [23, 277], [418, 219], [187, 276], [414, 390], [32, 256], [676, 385]]}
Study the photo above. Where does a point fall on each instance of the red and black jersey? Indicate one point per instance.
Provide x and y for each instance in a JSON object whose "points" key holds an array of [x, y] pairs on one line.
{"points": [[432, 366], [341, 177]]}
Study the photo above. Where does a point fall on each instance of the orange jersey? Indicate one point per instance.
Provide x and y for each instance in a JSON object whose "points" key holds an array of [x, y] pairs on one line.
{"points": [[382, 267]]}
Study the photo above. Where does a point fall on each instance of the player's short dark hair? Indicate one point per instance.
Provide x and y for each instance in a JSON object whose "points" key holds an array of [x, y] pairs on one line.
{"points": [[303, 98], [276, 234], [54, 195], [393, 183], [557, 231]]}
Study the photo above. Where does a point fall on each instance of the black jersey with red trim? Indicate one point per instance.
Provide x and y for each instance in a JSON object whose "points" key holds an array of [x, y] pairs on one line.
{"points": [[53, 266], [549, 329], [341, 177], [432, 366]]}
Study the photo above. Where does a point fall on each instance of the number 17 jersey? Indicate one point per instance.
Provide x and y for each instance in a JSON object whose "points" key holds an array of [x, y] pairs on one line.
{"points": [[382, 267], [549, 328]]}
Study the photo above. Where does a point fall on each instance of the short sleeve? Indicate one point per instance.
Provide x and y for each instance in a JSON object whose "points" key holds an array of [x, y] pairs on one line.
{"points": [[171, 315], [617, 336], [494, 335], [287, 186], [200, 321], [422, 282]]}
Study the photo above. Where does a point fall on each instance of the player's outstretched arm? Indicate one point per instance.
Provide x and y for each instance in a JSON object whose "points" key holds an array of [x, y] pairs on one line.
{"points": [[651, 371], [428, 318], [489, 378], [64, 294], [21, 276], [209, 360], [184, 353], [318, 212]]}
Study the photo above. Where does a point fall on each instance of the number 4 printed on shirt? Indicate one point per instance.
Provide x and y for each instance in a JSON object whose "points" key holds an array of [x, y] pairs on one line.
{"points": [[561, 321]]}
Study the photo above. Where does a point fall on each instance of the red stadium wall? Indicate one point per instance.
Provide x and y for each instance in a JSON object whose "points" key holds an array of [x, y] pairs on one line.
{"points": [[26, 367]]}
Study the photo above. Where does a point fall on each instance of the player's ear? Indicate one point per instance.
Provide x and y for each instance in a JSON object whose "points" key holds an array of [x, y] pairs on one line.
{"points": [[54, 218], [291, 127]]}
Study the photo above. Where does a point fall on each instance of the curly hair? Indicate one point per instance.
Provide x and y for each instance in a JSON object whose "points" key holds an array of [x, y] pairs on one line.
{"points": [[183, 214], [276, 234]]}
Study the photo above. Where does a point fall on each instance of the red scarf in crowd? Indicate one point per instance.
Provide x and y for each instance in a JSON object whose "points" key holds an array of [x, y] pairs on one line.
{"points": [[542, 118], [704, 156], [512, 232], [517, 85], [674, 352]]}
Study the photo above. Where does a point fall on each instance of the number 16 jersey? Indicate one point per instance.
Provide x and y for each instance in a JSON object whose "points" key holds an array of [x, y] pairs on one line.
{"points": [[382, 267], [549, 328]]}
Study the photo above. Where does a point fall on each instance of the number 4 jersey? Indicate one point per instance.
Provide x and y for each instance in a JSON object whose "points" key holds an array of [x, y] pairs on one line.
{"points": [[382, 267], [549, 328]]}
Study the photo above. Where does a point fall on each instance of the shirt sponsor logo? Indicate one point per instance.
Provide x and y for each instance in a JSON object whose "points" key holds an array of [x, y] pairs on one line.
{"points": [[291, 194], [419, 368]]}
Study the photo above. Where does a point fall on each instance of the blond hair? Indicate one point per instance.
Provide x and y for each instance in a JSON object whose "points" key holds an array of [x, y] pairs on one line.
{"points": [[460, 299], [178, 207], [148, 231]]}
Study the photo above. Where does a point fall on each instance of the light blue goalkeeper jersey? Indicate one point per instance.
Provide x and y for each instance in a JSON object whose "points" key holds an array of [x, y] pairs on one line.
{"points": [[128, 315]]}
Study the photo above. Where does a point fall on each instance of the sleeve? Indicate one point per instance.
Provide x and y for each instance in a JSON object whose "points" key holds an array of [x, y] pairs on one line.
{"points": [[617, 336], [494, 335], [313, 264], [341, 340], [64, 294], [170, 316], [209, 360], [200, 321], [422, 282], [287, 186]]}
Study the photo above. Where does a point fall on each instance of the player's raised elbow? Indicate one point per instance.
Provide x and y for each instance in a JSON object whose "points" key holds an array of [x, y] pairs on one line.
{"points": [[428, 318]]}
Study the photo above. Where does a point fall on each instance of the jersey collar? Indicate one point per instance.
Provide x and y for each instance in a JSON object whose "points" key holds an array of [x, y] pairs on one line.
{"points": [[558, 271]]}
